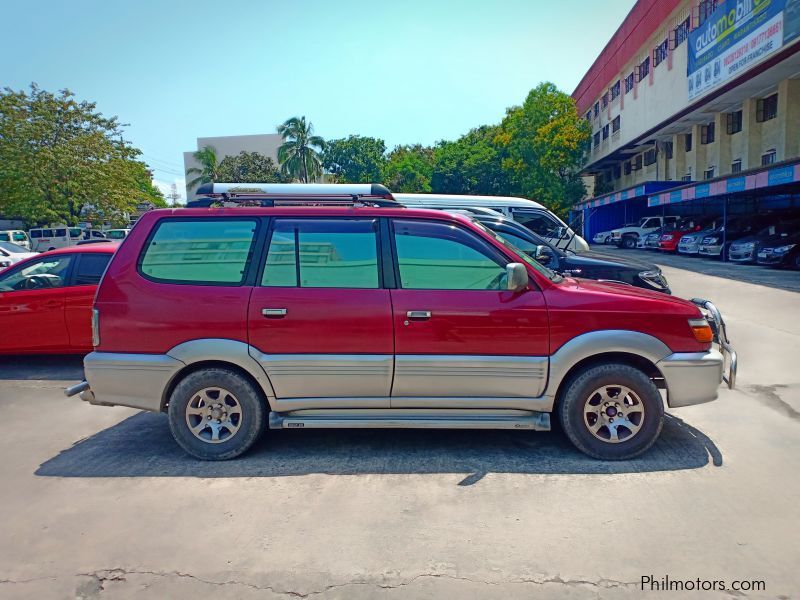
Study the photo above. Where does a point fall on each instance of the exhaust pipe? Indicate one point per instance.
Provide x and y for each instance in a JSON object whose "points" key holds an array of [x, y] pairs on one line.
{"points": [[76, 389]]}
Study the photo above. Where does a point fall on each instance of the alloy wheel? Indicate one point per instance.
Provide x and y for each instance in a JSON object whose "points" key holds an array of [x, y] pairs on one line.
{"points": [[213, 415], [613, 413]]}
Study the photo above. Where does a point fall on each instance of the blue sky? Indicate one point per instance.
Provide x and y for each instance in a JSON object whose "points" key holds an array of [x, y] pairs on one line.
{"points": [[410, 71]]}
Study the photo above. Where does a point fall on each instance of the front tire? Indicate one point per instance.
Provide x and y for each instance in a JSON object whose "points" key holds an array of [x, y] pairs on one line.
{"points": [[611, 412], [629, 242], [216, 414]]}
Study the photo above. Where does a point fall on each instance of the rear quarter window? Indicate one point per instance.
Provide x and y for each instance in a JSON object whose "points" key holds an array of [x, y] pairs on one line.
{"points": [[199, 251]]}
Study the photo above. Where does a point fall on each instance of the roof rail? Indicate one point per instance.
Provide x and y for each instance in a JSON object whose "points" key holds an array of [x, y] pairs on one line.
{"points": [[281, 194]]}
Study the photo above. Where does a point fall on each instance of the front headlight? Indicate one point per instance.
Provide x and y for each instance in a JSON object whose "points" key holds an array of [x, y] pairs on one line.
{"points": [[783, 249], [688, 238], [666, 238]]}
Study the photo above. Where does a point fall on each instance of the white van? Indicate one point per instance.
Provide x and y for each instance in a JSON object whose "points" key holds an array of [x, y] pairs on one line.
{"points": [[531, 214], [50, 238], [15, 236]]}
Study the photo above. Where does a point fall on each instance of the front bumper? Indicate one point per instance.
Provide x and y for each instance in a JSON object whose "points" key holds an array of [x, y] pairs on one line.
{"points": [[690, 247], [694, 377], [768, 257], [710, 250], [742, 254]]}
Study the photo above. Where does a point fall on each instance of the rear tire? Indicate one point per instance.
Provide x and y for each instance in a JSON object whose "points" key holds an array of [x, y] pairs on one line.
{"points": [[629, 242], [611, 411], [216, 414]]}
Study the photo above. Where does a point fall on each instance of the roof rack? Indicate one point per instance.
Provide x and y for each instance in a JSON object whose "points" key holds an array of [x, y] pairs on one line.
{"points": [[288, 194]]}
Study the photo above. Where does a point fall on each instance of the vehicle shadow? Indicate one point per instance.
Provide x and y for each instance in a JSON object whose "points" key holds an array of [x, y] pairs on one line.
{"points": [[141, 446], [42, 367]]}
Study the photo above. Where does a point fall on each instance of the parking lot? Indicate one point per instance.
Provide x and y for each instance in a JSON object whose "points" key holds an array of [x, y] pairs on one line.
{"points": [[101, 503]]}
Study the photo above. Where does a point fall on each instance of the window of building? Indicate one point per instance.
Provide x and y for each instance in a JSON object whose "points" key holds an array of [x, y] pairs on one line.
{"points": [[637, 162], [615, 90], [324, 253], [708, 173], [615, 124], [441, 257], [91, 268], [734, 122], [627, 167], [682, 32], [605, 131], [686, 178], [199, 251], [629, 83], [660, 53], [767, 108], [668, 149], [769, 157], [688, 142], [736, 166], [596, 109], [707, 134], [604, 99], [706, 9], [650, 157], [616, 172], [596, 139], [644, 69], [589, 116]]}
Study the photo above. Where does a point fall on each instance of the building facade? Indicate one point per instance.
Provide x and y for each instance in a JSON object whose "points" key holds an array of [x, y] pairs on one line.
{"points": [[266, 144], [695, 108]]}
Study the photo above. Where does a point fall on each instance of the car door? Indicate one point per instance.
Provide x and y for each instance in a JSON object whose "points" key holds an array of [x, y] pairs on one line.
{"points": [[458, 333], [32, 305], [79, 296], [320, 322]]}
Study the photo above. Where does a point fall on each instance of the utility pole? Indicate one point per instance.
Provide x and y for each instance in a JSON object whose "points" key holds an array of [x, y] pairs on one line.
{"points": [[174, 196]]}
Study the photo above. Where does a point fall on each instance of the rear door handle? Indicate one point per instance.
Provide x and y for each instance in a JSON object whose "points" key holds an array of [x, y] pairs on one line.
{"points": [[419, 315], [273, 312]]}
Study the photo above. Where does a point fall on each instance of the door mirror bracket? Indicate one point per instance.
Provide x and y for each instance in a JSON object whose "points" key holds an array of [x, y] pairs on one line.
{"points": [[516, 277]]}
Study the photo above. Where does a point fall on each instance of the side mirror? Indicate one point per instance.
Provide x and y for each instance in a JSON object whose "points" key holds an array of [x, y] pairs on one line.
{"points": [[516, 277], [543, 254]]}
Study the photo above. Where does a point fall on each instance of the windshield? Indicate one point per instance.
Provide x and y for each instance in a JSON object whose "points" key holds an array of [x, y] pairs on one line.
{"points": [[12, 247], [115, 234], [550, 274]]}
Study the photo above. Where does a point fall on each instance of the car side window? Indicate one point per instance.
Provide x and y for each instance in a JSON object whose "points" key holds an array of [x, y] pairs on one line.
{"points": [[199, 251], [44, 273], [91, 268], [538, 222], [439, 256], [322, 253]]}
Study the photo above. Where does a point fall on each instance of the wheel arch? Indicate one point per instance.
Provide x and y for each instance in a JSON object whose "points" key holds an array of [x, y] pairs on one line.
{"points": [[221, 353]]}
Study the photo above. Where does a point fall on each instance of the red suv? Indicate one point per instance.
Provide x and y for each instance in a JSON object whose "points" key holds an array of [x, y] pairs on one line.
{"points": [[296, 314]]}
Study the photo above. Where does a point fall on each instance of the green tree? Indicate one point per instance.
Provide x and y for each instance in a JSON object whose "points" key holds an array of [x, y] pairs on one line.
{"points": [[61, 159], [409, 169], [209, 167], [470, 165], [248, 167], [299, 155], [542, 145], [355, 159]]}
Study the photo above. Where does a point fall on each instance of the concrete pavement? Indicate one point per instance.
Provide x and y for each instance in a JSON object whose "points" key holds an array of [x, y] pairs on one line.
{"points": [[100, 503]]}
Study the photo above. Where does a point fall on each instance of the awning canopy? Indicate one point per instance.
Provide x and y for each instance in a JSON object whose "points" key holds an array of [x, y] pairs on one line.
{"points": [[643, 189]]}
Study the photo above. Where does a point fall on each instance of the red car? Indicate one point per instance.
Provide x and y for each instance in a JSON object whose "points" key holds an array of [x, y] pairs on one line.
{"points": [[46, 300], [668, 242], [239, 319]]}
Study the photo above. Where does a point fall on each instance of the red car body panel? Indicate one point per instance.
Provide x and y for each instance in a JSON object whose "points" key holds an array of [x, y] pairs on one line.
{"points": [[53, 321], [324, 320], [670, 244]]}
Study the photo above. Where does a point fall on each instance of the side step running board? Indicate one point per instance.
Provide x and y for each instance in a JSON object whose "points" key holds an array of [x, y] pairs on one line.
{"points": [[535, 421]]}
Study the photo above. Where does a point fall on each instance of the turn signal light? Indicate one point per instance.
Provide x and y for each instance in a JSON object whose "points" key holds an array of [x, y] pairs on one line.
{"points": [[701, 330]]}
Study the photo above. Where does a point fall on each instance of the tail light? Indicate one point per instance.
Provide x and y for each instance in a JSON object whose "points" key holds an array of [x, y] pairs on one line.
{"points": [[702, 331], [95, 327]]}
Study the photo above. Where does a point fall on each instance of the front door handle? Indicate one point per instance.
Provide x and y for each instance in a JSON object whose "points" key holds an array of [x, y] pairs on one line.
{"points": [[273, 312], [419, 315]]}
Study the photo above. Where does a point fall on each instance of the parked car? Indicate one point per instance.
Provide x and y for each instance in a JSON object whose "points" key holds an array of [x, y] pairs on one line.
{"points": [[709, 242], [15, 236], [377, 315], [46, 301], [670, 238], [651, 240], [12, 253], [602, 237], [746, 249], [590, 265], [628, 236], [782, 252], [533, 215], [117, 234]]}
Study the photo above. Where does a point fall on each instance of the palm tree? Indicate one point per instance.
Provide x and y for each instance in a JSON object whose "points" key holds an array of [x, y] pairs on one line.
{"points": [[207, 157], [299, 153]]}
